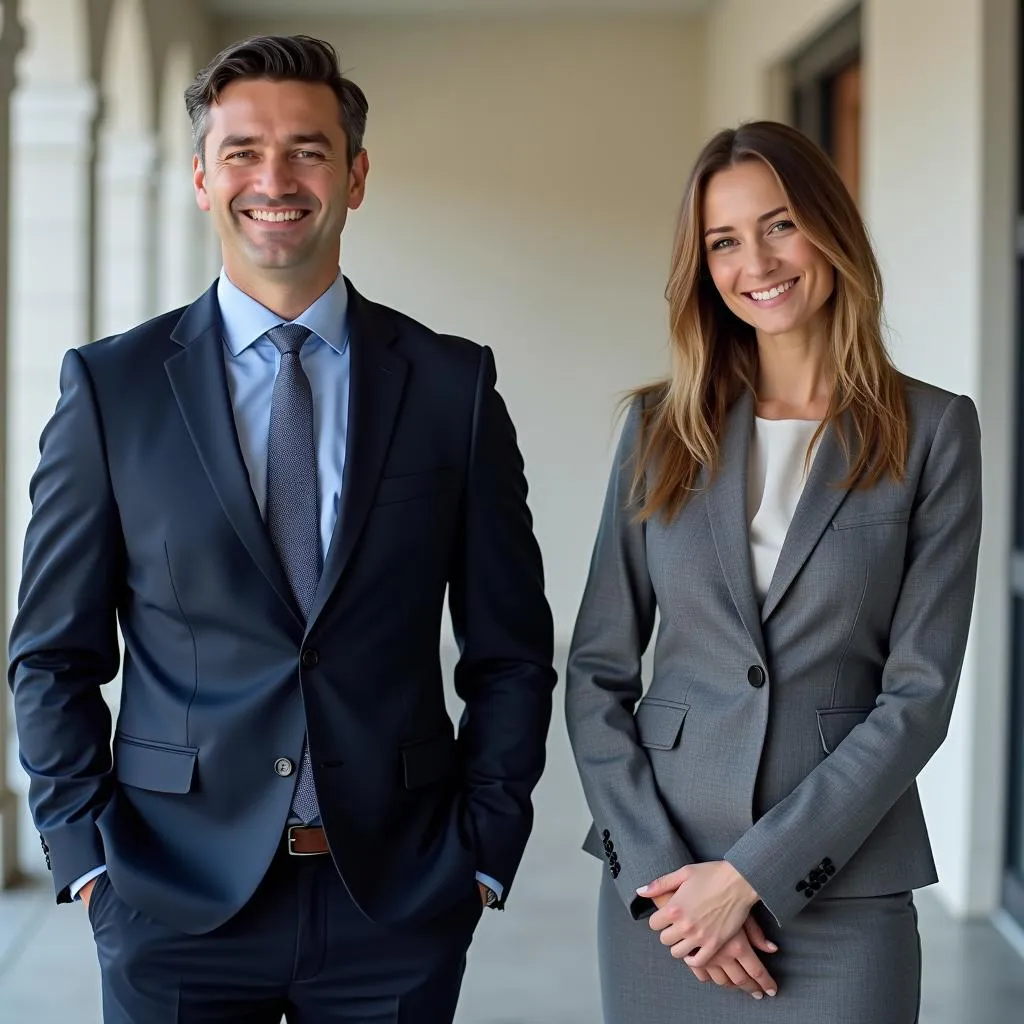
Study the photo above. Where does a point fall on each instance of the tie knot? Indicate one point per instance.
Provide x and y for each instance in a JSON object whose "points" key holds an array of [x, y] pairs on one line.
{"points": [[289, 338]]}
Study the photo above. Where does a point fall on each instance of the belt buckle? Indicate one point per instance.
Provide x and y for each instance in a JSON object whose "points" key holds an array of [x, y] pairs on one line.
{"points": [[292, 852]]}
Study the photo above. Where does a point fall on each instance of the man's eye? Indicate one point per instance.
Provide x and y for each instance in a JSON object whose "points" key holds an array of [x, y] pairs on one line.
{"points": [[241, 154], [309, 154]]}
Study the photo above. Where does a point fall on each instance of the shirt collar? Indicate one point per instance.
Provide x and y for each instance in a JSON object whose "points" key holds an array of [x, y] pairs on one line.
{"points": [[246, 320]]}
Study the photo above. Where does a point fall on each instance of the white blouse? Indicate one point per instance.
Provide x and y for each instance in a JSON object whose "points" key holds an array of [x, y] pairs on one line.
{"points": [[775, 481]]}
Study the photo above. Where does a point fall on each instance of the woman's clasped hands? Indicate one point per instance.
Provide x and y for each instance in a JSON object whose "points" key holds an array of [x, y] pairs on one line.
{"points": [[704, 916]]}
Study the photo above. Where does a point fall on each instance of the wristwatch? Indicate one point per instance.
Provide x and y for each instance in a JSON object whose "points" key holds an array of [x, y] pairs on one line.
{"points": [[490, 896]]}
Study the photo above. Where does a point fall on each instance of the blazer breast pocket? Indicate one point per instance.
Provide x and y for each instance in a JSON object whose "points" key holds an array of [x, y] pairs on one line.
{"points": [[158, 767], [659, 723], [392, 490], [879, 517]]}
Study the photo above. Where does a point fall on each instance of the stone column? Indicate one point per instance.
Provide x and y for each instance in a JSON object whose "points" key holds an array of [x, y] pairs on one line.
{"points": [[126, 181], [53, 120], [11, 38]]}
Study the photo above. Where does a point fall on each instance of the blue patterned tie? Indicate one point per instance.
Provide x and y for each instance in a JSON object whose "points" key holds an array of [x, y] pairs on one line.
{"points": [[293, 503]]}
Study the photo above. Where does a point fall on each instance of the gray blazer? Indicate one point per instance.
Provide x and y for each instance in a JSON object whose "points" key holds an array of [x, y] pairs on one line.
{"points": [[785, 739]]}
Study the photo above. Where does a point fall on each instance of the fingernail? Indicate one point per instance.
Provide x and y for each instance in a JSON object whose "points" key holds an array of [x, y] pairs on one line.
{"points": [[772, 992], [642, 891], [772, 947], [757, 995]]}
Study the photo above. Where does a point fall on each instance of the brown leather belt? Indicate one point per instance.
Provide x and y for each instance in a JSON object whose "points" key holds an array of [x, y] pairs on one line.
{"points": [[304, 841]]}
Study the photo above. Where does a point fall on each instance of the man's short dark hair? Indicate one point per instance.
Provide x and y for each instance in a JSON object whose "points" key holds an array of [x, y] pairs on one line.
{"points": [[279, 58]]}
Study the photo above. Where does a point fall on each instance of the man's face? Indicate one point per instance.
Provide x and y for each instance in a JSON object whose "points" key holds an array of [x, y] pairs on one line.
{"points": [[276, 178]]}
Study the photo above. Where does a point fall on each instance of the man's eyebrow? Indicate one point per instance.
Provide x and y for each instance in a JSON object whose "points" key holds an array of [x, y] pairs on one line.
{"points": [[238, 141], [761, 219], [307, 138], [298, 139]]}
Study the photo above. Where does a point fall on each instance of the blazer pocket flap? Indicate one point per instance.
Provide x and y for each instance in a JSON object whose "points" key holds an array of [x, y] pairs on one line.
{"points": [[878, 518], [658, 724], [160, 767], [429, 760], [834, 724], [393, 489]]}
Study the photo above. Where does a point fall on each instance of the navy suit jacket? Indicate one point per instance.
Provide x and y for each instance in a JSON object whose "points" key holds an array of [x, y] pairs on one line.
{"points": [[143, 515]]}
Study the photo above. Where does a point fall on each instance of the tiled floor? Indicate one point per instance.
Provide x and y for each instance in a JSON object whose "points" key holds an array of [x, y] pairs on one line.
{"points": [[533, 964]]}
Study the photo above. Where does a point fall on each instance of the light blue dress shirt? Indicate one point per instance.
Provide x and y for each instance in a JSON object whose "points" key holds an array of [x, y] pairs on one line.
{"points": [[251, 361]]}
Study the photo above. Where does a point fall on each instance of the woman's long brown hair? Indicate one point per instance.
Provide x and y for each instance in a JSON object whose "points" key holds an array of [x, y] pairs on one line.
{"points": [[714, 353]]}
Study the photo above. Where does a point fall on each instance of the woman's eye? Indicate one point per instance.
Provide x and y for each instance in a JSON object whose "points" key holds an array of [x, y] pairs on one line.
{"points": [[781, 225], [722, 243]]}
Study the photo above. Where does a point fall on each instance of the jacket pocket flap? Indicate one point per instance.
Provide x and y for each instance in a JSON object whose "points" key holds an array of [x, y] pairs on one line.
{"points": [[429, 760], [160, 767], [658, 723], [834, 724]]}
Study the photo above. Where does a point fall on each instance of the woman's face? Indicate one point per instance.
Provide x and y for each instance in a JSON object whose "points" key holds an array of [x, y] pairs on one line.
{"points": [[767, 272]]}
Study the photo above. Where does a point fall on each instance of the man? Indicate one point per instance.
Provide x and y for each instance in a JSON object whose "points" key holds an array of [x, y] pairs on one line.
{"points": [[271, 491]]}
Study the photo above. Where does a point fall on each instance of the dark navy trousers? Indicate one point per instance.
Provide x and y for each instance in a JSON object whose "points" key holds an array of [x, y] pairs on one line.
{"points": [[300, 949]]}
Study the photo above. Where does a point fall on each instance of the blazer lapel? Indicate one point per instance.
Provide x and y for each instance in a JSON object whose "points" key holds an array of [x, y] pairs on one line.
{"points": [[726, 504], [375, 392], [819, 502], [199, 382]]}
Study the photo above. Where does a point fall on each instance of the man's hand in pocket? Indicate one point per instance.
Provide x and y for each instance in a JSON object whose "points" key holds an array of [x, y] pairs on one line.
{"points": [[86, 892]]}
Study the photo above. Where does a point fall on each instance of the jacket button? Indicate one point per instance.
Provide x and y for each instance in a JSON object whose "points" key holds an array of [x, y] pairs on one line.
{"points": [[310, 658], [755, 676], [283, 767], [608, 846], [606, 834]]}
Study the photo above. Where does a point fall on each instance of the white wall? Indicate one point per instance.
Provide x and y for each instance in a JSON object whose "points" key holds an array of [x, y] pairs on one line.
{"points": [[939, 133], [525, 177]]}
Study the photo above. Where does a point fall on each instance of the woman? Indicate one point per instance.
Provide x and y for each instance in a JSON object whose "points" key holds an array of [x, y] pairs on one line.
{"points": [[805, 522]]}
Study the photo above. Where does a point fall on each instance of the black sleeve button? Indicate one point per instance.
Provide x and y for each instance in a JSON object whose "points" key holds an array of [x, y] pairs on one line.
{"points": [[755, 676], [310, 658]]}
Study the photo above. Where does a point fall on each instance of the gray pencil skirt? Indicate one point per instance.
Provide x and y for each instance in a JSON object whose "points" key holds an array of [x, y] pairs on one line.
{"points": [[840, 961]]}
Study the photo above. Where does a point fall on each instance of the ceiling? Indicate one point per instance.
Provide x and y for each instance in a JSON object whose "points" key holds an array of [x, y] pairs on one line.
{"points": [[428, 7]]}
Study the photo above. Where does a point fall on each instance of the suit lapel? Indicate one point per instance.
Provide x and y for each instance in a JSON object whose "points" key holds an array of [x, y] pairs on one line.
{"points": [[819, 502], [726, 504], [375, 392], [199, 382]]}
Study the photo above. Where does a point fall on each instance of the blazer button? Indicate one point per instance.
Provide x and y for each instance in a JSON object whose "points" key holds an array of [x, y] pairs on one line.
{"points": [[283, 767], [755, 676], [606, 834], [310, 658]]}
